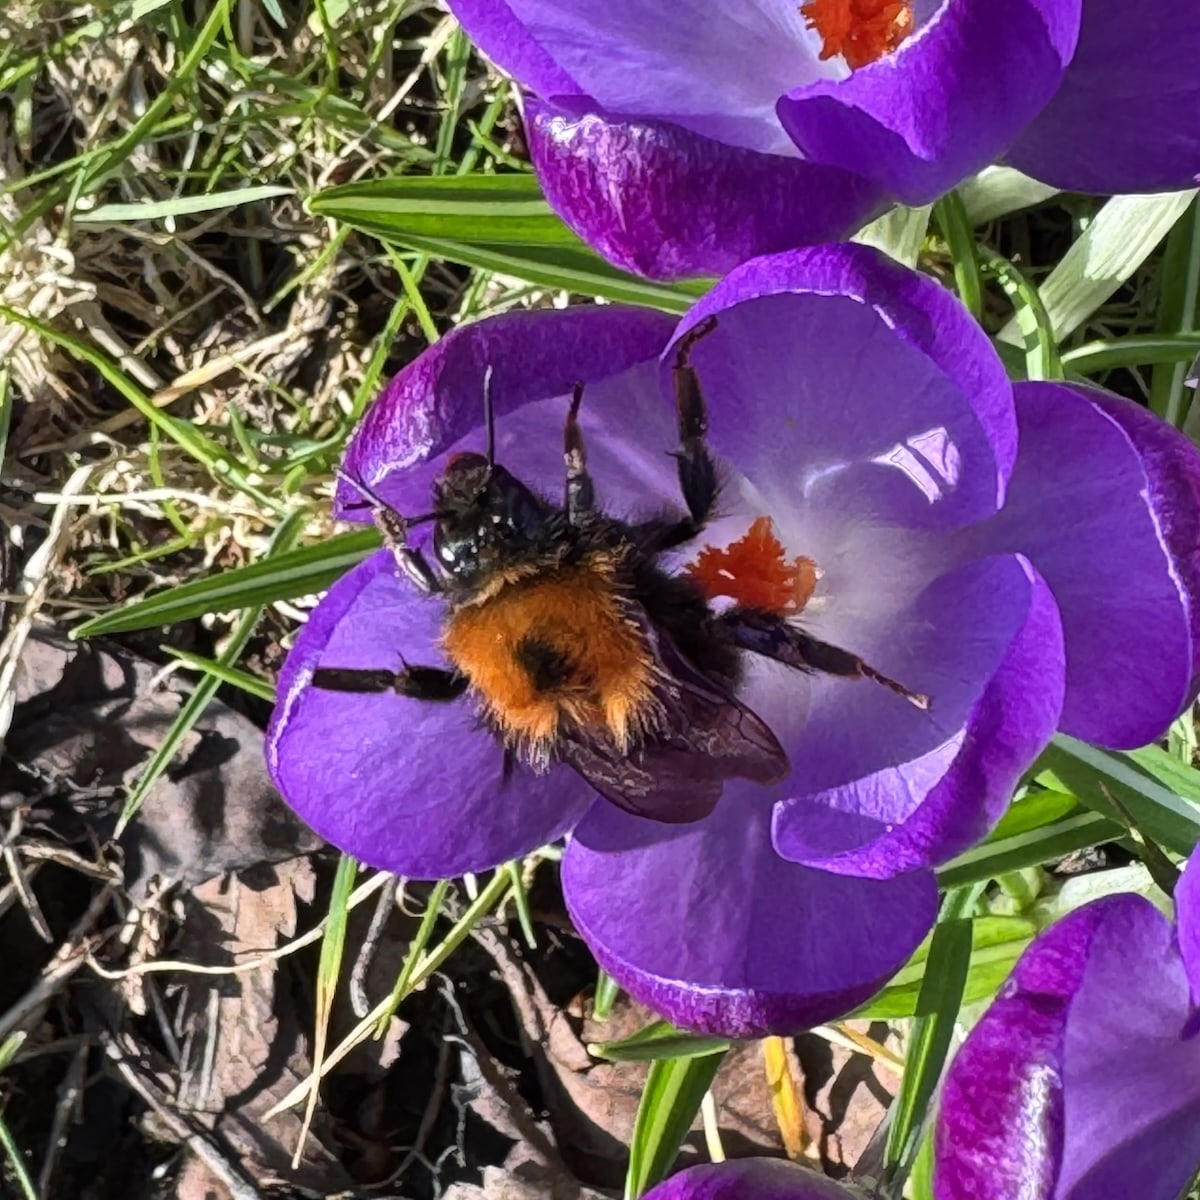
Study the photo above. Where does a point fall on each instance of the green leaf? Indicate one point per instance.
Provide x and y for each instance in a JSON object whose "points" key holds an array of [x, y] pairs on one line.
{"points": [[298, 573], [481, 209], [998, 191], [607, 991], [493, 223], [937, 1008], [1041, 827], [572, 269], [960, 238], [670, 1101], [1180, 778], [1136, 350], [996, 944], [1035, 330], [1093, 775], [658, 1040], [1124, 234], [899, 233]]}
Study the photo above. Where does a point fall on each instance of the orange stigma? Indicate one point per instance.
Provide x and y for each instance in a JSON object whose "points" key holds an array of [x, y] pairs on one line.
{"points": [[755, 572], [859, 30]]}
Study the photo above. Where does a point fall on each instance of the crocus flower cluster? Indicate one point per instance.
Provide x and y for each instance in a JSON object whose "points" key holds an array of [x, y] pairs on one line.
{"points": [[683, 138], [1024, 555], [1082, 1080]]}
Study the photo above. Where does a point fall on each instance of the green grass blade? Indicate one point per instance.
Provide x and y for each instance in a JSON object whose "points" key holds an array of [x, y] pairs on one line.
{"points": [[1035, 329], [996, 944], [230, 675], [1178, 312], [1165, 816], [416, 949], [658, 1040], [951, 216], [299, 573], [182, 433], [8, 1144], [941, 995], [920, 1181], [669, 1104], [607, 991], [1136, 350], [329, 969], [521, 903], [16, 1162], [180, 206]]}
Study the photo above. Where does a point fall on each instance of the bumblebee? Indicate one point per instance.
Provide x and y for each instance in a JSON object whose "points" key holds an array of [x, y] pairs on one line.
{"points": [[575, 643]]}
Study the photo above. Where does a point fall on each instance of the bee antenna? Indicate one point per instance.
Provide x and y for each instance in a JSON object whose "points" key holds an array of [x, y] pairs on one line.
{"points": [[489, 417]]}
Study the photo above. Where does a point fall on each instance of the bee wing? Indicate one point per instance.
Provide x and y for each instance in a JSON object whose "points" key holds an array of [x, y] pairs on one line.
{"points": [[707, 737]]}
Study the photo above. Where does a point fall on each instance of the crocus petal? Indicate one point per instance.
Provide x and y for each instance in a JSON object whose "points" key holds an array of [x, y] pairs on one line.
{"points": [[1000, 1121], [435, 404], [686, 63], [1187, 917], [1113, 529], [508, 42], [665, 202], [946, 103], [749, 1179], [1033, 1106], [1133, 1131], [1127, 117], [832, 337], [411, 786], [922, 811], [707, 925]]}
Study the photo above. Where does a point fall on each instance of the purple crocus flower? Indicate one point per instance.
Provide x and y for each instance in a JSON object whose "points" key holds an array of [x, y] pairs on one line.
{"points": [[1082, 1080], [683, 138], [1023, 555], [750, 1179]]}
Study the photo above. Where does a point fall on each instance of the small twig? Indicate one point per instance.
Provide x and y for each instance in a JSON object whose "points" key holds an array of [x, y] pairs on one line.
{"points": [[384, 907], [359, 894], [240, 1188], [66, 1110], [69, 957], [29, 902]]}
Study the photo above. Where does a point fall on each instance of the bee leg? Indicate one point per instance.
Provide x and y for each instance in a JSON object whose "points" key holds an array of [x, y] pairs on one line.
{"points": [[580, 494], [418, 683], [394, 529], [410, 560], [773, 637], [697, 472]]}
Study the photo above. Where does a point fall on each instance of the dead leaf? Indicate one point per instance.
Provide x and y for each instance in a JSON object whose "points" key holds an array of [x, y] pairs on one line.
{"points": [[243, 1048], [87, 721]]}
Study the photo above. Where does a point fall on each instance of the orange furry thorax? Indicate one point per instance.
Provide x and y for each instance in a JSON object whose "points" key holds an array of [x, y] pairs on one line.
{"points": [[556, 646]]}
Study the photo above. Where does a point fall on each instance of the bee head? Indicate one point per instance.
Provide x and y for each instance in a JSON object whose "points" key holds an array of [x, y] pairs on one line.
{"points": [[485, 516]]}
